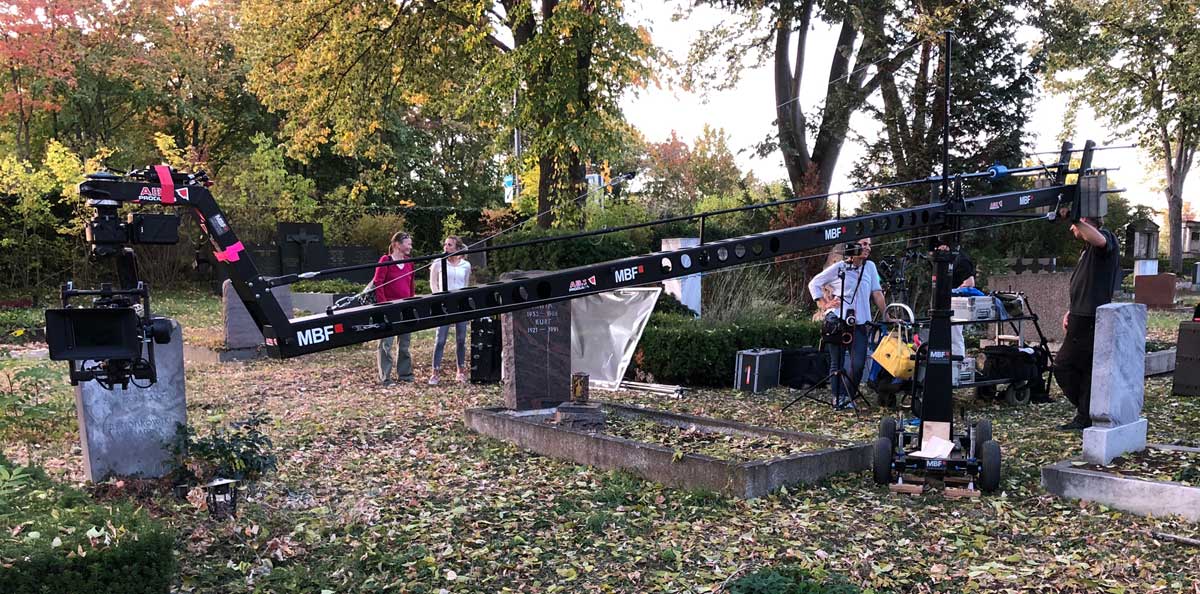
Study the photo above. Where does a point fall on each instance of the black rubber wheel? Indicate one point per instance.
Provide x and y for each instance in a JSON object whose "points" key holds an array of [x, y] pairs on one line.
{"points": [[887, 427], [983, 433], [881, 463], [1017, 394], [989, 471], [985, 393]]}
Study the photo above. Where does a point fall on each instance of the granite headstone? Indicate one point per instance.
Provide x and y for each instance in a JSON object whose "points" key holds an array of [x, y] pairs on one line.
{"points": [[239, 327], [536, 356], [1049, 296], [128, 432], [1118, 384], [1154, 290]]}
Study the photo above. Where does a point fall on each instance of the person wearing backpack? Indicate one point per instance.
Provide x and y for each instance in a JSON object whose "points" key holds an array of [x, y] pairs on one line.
{"points": [[1092, 285]]}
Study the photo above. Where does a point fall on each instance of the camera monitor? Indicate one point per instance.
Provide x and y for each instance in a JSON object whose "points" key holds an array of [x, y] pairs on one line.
{"points": [[93, 334]]}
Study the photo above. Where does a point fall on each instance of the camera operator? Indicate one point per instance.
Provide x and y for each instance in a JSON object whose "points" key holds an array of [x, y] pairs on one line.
{"points": [[845, 291], [1092, 285]]}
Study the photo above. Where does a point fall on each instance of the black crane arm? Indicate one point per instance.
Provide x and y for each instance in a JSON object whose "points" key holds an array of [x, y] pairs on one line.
{"points": [[287, 338]]}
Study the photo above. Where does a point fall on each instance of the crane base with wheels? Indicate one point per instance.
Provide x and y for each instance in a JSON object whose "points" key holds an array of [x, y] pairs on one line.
{"points": [[973, 465]]}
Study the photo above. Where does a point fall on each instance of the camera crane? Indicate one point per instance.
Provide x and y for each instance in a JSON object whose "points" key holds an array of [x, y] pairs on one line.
{"points": [[109, 334]]}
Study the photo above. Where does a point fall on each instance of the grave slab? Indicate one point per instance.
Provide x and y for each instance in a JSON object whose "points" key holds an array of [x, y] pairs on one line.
{"points": [[128, 432], [667, 466], [1134, 495]]}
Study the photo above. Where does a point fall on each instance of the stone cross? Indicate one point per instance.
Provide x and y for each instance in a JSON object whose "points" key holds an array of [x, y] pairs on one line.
{"points": [[1118, 384], [128, 432]]}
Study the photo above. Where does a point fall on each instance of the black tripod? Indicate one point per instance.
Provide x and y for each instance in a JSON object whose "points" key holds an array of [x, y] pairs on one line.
{"points": [[843, 337]]}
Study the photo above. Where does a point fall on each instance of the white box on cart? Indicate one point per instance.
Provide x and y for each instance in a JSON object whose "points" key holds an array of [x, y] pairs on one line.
{"points": [[970, 309]]}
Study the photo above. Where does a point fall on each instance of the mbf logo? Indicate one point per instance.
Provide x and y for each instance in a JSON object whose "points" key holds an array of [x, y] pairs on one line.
{"points": [[625, 275], [834, 232], [1024, 200], [317, 335], [583, 283]]}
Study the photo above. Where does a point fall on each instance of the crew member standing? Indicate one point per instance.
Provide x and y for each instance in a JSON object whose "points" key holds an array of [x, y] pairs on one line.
{"points": [[394, 282], [849, 298], [1092, 285]]}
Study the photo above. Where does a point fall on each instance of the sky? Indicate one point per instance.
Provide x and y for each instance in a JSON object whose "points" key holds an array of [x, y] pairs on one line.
{"points": [[746, 112]]}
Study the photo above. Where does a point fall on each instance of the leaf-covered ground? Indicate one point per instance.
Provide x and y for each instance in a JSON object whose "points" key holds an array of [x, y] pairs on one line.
{"points": [[384, 490]]}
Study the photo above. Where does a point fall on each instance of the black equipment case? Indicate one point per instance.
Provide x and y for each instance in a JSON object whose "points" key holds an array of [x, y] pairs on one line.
{"points": [[757, 370]]}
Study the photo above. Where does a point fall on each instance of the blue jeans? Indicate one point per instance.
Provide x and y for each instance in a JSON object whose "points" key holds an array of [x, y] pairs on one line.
{"points": [[853, 360], [460, 344]]}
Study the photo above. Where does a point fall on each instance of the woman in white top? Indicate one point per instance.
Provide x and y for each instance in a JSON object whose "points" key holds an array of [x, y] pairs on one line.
{"points": [[458, 275]]}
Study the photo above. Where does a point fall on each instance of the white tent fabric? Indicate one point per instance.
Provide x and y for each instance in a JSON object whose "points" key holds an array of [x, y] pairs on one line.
{"points": [[605, 330], [686, 289]]}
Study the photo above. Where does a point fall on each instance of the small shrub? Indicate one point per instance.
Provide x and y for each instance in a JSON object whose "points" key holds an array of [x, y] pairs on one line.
{"points": [[239, 451], [53, 538], [333, 285], [791, 580], [680, 350], [559, 254], [375, 231]]}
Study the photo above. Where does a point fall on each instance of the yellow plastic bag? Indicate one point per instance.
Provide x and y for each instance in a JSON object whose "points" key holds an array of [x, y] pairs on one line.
{"points": [[894, 355]]}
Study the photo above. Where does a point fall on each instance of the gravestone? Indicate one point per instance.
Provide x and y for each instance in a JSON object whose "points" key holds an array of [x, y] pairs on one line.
{"points": [[1049, 295], [239, 327], [128, 432], [1118, 384], [1154, 290], [301, 247], [536, 358], [1187, 360], [349, 256]]}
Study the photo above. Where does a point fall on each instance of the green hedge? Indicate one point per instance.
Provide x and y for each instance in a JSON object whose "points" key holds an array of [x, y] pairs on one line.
{"points": [[124, 551], [679, 350]]}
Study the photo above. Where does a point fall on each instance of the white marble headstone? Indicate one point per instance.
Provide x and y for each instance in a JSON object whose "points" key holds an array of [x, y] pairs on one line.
{"points": [[1118, 384]]}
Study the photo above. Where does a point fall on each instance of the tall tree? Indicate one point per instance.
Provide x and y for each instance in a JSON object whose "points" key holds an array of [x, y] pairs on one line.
{"points": [[992, 89], [39, 43], [869, 44], [338, 69], [1137, 63]]}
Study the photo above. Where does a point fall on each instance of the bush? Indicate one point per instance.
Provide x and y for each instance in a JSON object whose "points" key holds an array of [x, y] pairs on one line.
{"points": [[333, 285], [239, 451], [375, 231], [680, 350], [55, 539], [791, 580]]}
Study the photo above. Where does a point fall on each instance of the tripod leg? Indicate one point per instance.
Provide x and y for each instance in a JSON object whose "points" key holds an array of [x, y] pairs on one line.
{"points": [[806, 393]]}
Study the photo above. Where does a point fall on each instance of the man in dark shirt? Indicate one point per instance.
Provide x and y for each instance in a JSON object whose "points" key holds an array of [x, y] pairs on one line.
{"points": [[1092, 285]]}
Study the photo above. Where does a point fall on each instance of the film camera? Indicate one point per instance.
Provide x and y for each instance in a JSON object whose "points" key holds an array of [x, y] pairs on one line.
{"points": [[111, 340], [836, 330]]}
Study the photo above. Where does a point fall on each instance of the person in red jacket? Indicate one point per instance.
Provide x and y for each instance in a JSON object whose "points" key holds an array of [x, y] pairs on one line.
{"points": [[392, 283]]}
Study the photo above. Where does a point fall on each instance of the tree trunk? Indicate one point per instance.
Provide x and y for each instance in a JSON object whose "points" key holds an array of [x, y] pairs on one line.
{"points": [[1174, 194], [546, 184]]}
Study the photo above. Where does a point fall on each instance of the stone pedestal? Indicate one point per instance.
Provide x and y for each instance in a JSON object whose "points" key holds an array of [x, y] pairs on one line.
{"points": [[585, 417], [128, 432], [240, 332], [1118, 384], [536, 357]]}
